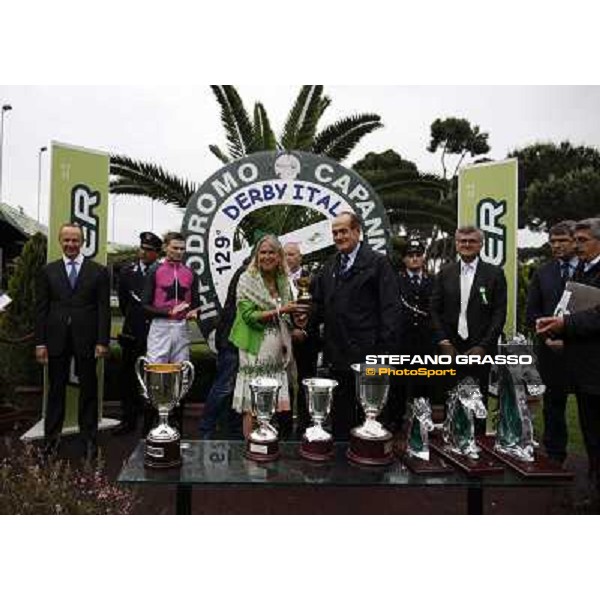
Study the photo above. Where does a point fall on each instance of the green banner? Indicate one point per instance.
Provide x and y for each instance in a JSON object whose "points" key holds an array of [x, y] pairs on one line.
{"points": [[79, 194], [488, 199]]}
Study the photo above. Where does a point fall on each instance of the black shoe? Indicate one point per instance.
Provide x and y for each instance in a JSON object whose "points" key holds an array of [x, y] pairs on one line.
{"points": [[90, 453], [123, 428], [50, 450]]}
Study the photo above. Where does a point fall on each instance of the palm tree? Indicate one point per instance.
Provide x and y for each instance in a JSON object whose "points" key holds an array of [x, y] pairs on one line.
{"points": [[246, 135]]}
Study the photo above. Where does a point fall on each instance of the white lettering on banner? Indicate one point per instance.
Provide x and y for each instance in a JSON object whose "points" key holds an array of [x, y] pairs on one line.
{"points": [[83, 203], [489, 213], [320, 173], [226, 186]]}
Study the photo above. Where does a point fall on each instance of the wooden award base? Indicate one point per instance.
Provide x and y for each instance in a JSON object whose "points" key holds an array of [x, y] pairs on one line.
{"points": [[486, 465], [369, 451], [434, 466], [262, 451], [162, 455], [541, 468], [317, 451]]}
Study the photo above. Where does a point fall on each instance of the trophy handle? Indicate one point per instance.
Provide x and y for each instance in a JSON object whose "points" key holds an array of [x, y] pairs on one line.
{"points": [[188, 372], [139, 365]]}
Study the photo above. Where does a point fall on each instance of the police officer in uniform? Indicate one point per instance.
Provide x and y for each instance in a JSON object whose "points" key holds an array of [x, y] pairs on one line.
{"points": [[414, 329], [135, 332]]}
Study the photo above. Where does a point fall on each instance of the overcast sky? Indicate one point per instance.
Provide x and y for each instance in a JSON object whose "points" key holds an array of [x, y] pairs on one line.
{"points": [[173, 126]]}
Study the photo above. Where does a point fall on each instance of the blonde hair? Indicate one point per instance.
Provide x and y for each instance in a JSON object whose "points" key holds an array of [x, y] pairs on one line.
{"points": [[272, 239]]}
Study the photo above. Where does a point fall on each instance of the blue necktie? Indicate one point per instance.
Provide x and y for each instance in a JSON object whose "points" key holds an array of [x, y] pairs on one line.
{"points": [[345, 259], [565, 271], [73, 274]]}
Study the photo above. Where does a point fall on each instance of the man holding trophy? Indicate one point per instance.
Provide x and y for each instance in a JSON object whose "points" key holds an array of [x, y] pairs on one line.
{"points": [[355, 297]]}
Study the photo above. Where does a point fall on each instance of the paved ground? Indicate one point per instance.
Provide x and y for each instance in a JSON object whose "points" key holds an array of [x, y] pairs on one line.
{"points": [[161, 500]]}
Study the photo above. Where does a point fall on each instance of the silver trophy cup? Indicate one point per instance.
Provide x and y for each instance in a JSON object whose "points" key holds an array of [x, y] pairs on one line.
{"points": [[164, 385], [371, 443], [317, 444], [263, 442]]}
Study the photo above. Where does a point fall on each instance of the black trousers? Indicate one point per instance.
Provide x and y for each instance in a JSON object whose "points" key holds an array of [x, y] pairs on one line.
{"points": [[345, 411], [132, 402], [305, 356], [58, 375], [555, 423], [589, 419]]}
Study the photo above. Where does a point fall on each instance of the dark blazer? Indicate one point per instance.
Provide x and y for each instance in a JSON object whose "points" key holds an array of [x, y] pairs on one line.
{"points": [[131, 291], [582, 339], [415, 327], [545, 290], [85, 309], [486, 312], [359, 310]]}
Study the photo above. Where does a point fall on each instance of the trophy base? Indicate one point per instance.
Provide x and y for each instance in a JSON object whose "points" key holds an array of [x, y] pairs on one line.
{"points": [[369, 451], [541, 468], [433, 466], [317, 451], [162, 455], [484, 466], [262, 451]]}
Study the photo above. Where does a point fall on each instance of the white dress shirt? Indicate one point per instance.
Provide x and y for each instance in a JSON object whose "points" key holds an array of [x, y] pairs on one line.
{"points": [[467, 275]]}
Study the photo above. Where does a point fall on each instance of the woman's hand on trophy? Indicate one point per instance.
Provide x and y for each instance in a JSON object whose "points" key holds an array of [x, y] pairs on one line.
{"points": [[289, 308]]}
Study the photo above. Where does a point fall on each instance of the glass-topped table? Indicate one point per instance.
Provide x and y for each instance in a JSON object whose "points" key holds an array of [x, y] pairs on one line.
{"points": [[222, 464]]}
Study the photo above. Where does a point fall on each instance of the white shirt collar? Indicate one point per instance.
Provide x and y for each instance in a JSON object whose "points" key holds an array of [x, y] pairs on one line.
{"points": [[296, 273], [352, 255], [472, 266], [78, 260], [587, 266]]}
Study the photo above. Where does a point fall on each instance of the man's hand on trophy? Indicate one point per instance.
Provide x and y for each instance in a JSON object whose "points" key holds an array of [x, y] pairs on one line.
{"points": [[101, 351], [299, 335], [546, 326], [41, 355], [554, 345], [447, 347], [192, 314], [476, 351]]}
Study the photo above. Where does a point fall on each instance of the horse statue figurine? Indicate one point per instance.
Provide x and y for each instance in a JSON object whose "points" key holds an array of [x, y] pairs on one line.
{"points": [[514, 436], [420, 424], [465, 403]]}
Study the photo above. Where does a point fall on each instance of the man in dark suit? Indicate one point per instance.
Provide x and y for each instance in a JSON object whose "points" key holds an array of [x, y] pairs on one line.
{"points": [[581, 333], [72, 321], [545, 290], [468, 308], [132, 340], [356, 298]]}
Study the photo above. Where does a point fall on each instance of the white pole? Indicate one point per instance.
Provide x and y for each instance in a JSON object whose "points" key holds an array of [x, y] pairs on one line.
{"points": [[39, 188], [5, 109]]}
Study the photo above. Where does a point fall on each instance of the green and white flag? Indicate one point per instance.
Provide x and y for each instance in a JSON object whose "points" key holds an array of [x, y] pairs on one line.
{"points": [[488, 199]]}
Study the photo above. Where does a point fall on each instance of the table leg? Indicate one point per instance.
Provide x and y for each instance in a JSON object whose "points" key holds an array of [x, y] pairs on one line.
{"points": [[475, 500], [183, 500]]}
